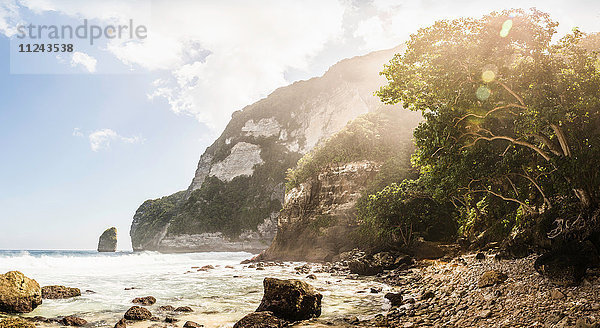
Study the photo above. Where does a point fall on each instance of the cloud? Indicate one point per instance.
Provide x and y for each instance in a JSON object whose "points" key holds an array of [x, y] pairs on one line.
{"points": [[101, 139], [85, 60], [9, 17], [77, 132]]}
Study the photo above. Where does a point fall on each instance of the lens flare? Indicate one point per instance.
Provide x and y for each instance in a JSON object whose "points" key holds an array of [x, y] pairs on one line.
{"points": [[506, 26], [483, 93], [488, 76]]}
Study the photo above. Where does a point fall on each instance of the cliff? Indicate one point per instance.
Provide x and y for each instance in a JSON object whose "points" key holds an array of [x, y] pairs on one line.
{"points": [[108, 240], [319, 216], [237, 192]]}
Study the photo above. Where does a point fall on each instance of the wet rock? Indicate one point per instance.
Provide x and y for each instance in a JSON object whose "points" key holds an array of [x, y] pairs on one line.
{"points": [[206, 268], [192, 324], [184, 309], [394, 298], [138, 313], [108, 240], [73, 321], [121, 323], [15, 323], [18, 293], [166, 308], [364, 267], [59, 292], [263, 319], [291, 299], [480, 256], [385, 260], [375, 290], [311, 276], [130, 288], [491, 278], [146, 301], [170, 319]]}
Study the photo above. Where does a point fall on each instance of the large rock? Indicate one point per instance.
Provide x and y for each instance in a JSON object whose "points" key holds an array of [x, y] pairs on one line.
{"points": [[15, 323], [365, 267], [291, 299], [19, 293], [73, 321], [58, 292], [148, 300], [108, 240], [137, 313], [491, 278], [259, 320]]}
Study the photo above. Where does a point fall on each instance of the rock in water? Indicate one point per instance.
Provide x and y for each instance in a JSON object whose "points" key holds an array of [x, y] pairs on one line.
{"points": [[15, 323], [291, 299], [137, 313], [121, 323], [18, 293], [364, 267], [73, 321], [394, 298], [192, 324], [108, 240], [148, 300], [259, 320], [58, 292]]}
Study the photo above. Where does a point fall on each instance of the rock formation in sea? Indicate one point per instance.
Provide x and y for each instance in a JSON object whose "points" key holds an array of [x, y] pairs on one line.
{"points": [[237, 192], [108, 240], [19, 294]]}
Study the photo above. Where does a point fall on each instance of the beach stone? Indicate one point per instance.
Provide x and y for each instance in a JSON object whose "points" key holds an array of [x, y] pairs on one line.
{"points": [[556, 294], [15, 323], [18, 293], [311, 276], [394, 298], [192, 324], [170, 319], [364, 267], [491, 278], [59, 292], [146, 301], [166, 308], [73, 321], [264, 319], [121, 323], [108, 240], [137, 313], [291, 299], [184, 309]]}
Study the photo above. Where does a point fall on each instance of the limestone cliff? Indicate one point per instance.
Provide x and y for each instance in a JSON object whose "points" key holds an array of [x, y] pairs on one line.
{"points": [[319, 216], [238, 189]]}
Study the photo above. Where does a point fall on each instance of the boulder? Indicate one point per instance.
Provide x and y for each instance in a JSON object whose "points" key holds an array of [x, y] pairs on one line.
{"points": [[121, 323], [292, 300], [491, 278], [168, 308], [58, 292], [364, 267], [137, 313], [394, 298], [567, 265], [15, 323], [264, 319], [146, 301], [73, 321], [108, 240], [191, 324], [18, 293], [385, 260], [184, 309]]}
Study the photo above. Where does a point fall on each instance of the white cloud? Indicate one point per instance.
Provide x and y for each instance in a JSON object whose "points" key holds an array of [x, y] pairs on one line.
{"points": [[85, 60], [9, 17], [101, 139], [77, 132]]}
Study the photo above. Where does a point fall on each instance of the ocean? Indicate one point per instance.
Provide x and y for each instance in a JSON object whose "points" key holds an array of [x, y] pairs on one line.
{"points": [[219, 297]]}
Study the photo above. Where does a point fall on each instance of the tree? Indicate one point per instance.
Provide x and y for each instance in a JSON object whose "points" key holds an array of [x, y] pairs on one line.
{"points": [[509, 114]]}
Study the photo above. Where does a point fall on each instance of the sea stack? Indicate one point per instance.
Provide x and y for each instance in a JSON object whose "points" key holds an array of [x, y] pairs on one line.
{"points": [[108, 240]]}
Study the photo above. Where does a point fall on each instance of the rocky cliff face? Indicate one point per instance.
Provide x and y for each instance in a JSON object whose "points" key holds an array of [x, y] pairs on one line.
{"points": [[238, 189], [319, 216]]}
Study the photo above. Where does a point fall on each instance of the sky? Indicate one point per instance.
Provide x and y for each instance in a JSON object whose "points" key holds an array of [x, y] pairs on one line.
{"points": [[87, 136]]}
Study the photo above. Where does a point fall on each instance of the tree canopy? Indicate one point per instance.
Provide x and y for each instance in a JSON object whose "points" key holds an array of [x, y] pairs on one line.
{"points": [[512, 118]]}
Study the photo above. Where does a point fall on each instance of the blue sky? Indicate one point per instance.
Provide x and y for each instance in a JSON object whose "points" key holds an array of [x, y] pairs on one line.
{"points": [[85, 140]]}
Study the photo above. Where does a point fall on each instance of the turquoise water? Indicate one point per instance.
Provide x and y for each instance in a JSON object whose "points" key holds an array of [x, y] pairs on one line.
{"points": [[219, 297]]}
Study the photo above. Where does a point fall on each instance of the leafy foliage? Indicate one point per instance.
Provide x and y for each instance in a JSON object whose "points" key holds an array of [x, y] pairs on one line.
{"points": [[512, 121], [378, 136]]}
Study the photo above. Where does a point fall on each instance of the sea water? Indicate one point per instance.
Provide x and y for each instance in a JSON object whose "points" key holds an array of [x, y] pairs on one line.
{"points": [[219, 297]]}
